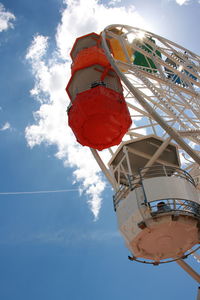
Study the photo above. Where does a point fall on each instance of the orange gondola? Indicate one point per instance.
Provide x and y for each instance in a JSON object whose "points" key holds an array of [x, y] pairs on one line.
{"points": [[98, 114]]}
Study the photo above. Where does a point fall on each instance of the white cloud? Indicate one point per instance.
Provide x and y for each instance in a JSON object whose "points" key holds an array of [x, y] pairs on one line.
{"points": [[38, 48], [6, 126], [182, 2], [51, 121], [6, 18], [114, 2], [84, 16], [51, 76]]}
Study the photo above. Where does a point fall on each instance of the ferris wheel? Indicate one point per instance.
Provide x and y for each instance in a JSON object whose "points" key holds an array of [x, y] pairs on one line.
{"points": [[147, 141], [162, 90]]}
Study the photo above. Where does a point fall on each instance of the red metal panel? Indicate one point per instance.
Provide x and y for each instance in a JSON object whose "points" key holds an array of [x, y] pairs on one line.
{"points": [[99, 118], [88, 57]]}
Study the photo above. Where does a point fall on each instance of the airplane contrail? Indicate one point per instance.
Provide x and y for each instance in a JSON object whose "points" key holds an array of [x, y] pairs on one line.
{"points": [[39, 192]]}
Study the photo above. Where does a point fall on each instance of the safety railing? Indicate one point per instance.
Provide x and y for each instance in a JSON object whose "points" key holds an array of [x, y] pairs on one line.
{"points": [[178, 206], [161, 170], [123, 191], [134, 181]]}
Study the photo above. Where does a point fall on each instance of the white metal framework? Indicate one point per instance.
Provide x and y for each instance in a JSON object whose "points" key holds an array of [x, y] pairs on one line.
{"points": [[164, 101], [161, 83]]}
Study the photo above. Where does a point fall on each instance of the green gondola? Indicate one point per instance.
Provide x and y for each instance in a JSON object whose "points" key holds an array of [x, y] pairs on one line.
{"points": [[144, 61]]}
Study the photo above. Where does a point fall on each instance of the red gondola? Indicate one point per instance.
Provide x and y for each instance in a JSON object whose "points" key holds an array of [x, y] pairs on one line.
{"points": [[98, 114]]}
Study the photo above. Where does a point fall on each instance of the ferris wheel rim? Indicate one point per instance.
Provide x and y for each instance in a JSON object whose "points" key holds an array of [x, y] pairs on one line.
{"points": [[173, 133], [150, 33]]}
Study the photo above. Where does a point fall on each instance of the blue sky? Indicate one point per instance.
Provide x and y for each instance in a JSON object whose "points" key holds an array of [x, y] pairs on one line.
{"points": [[66, 245]]}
